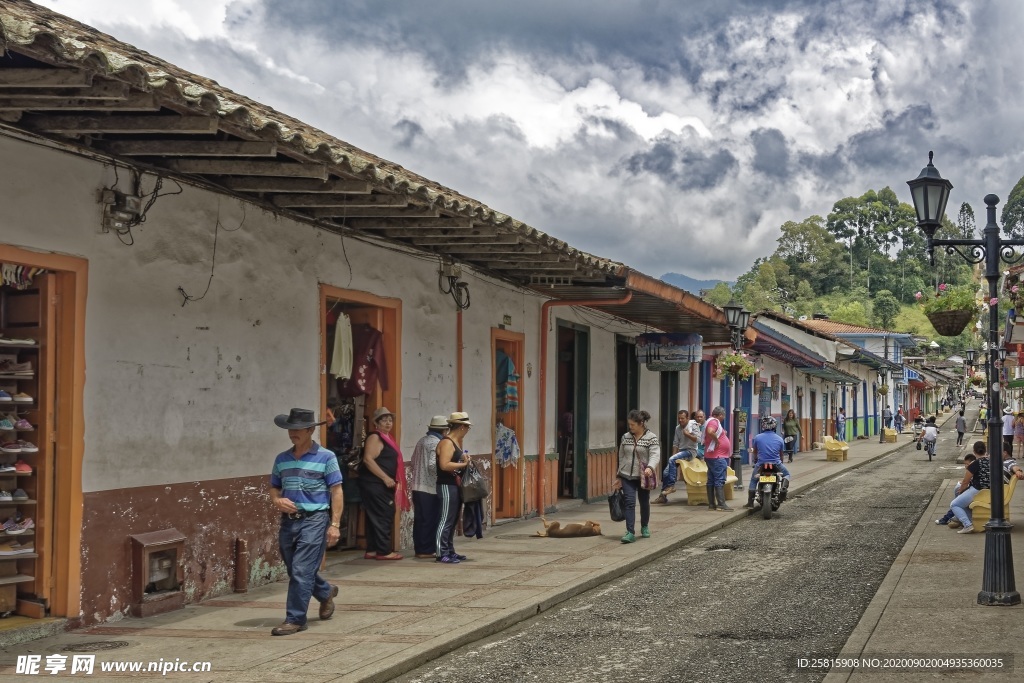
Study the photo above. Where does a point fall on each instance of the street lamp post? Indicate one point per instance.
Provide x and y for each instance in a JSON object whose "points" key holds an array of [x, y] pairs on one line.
{"points": [[738, 318], [931, 192], [885, 397], [968, 384]]}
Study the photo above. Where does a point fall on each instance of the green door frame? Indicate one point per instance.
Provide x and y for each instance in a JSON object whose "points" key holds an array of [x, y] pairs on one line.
{"points": [[581, 405]]}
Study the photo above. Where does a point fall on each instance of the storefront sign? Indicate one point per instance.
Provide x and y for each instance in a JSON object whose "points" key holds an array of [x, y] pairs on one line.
{"points": [[669, 352]]}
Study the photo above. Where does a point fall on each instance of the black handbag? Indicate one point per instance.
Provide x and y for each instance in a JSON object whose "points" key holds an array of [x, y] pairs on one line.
{"points": [[918, 445], [617, 505]]}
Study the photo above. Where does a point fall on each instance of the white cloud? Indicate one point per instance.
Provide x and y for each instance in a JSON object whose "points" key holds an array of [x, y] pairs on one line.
{"points": [[545, 130]]}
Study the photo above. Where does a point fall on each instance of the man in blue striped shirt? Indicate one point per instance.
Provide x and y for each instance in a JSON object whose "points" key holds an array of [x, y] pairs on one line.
{"points": [[305, 487]]}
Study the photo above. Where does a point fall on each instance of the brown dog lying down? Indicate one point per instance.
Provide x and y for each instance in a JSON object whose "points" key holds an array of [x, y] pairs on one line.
{"points": [[574, 530]]}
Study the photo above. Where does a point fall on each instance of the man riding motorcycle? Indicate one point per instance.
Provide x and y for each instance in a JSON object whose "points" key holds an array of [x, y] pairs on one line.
{"points": [[767, 448]]}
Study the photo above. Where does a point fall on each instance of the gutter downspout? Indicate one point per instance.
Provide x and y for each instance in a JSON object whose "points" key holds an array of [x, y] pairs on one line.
{"points": [[543, 376], [458, 360]]}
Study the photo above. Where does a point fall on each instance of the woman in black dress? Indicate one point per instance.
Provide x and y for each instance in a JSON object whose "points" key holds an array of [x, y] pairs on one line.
{"points": [[380, 474]]}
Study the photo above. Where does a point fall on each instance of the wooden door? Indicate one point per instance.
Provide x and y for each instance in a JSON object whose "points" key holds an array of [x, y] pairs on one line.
{"points": [[507, 481]]}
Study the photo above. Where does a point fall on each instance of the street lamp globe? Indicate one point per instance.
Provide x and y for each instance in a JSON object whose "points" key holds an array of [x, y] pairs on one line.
{"points": [[743, 320], [930, 192], [970, 356], [733, 311]]}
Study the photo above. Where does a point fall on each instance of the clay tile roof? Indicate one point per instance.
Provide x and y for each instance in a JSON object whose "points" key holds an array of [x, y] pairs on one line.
{"points": [[833, 327]]}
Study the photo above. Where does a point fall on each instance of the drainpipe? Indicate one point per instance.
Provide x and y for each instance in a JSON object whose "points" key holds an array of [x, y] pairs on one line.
{"points": [[543, 376], [458, 360]]}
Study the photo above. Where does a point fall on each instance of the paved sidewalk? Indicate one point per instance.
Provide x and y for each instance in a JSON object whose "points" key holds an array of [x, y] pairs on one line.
{"points": [[926, 608], [394, 616]]}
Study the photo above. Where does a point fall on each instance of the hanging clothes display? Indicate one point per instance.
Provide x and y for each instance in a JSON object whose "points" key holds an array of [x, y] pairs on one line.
{"points": [[341, 355], [369, 365], [507, 392], [506, 449], [18, 277]]}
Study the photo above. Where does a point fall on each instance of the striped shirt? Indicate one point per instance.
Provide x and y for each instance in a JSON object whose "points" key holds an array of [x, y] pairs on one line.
{"points": [[306, 481]]}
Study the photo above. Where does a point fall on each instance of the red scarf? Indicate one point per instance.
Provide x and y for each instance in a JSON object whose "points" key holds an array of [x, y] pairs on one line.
{"points": [[401, 497]]}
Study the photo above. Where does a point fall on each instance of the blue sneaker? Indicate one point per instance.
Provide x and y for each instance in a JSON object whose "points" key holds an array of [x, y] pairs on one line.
{"points": [[458, 557], [448, 559], [4, 396]]}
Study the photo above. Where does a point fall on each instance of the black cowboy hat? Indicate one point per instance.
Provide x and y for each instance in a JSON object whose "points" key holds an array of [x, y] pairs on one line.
{"points": [[297, 418]]}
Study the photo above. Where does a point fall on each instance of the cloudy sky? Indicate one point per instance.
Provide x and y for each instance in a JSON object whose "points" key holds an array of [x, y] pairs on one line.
{"points": [[673, 136]]}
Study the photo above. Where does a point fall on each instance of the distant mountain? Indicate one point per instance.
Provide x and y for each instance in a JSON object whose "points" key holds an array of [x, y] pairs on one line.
{"points": [[689, 284]]}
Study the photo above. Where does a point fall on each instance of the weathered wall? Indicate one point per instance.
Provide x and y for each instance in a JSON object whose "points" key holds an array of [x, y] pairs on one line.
{"points": [[179, 399]]}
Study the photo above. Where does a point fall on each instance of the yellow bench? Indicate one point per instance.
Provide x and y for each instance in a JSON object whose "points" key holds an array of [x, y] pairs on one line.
{"points": [[694, 473], [836, 451], [981, 506]]}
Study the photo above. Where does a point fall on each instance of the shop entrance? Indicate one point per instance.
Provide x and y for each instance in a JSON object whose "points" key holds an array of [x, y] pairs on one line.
{"points": [[573, 391], [627, 382], [42, 303], [507, 418], [361, 371]]}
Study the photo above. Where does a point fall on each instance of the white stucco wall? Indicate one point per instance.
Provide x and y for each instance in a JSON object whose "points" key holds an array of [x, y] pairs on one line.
{"points": [[184, 393]]}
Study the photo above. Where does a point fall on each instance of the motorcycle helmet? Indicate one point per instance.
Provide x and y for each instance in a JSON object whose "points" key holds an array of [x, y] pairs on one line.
{"points": [[768, 424]]}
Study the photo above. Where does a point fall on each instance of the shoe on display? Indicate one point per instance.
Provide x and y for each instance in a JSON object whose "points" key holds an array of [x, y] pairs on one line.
{"points": [[10, 341], [27, 447], [6, 424], [10, 447], [5, 496], [4, 396], [23, 425], [22, 466], [7, 468], [22, 397], [21, 527], [8, 525], [19, 494]]}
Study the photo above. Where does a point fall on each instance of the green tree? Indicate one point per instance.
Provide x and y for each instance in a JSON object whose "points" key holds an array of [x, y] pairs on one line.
{"points": [[720, 295], [966, 223], [852, 312], [1013, 211], [885, 309], [758, 288]]}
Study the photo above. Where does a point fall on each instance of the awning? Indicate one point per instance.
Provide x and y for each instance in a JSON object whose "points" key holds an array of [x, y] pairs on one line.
{"points": [[1016, 384], [824, 348], [775, 345], [855, 354], [830, 373]]}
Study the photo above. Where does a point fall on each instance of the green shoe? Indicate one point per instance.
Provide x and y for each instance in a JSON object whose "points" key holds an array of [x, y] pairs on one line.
{"points": [[645, 532], [628, 538]]}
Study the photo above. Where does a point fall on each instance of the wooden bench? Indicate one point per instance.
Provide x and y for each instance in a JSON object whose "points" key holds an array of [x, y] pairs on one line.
{"points": [[694, 473], [836, 451], [981, 506]]}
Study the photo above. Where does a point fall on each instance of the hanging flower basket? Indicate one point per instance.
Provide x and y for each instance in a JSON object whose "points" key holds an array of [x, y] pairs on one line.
{"points": [[977, 379], [734, 365], [882, 389], [951, 323]]}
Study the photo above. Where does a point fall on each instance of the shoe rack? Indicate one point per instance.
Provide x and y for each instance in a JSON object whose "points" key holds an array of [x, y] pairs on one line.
{"points": [[26, 377]]}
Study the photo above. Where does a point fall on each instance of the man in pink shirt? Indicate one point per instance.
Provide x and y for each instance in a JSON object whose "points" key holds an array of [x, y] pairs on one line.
{"points": [[717, 451]]}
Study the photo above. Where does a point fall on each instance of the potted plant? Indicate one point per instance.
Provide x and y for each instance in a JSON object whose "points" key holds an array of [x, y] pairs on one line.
{"points": [[882, 390], [951, 309], [978, 378], [734, 365]]}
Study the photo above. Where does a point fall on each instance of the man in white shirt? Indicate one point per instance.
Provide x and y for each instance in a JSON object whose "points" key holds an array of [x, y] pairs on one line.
{"points": [[1007, 428]]}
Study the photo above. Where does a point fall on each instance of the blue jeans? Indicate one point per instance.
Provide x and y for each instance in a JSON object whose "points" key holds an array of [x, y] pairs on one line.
{"points": [[960, 505], [303, 542], [631, 487], [717, 471], [757, 473], [670, 474]]}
